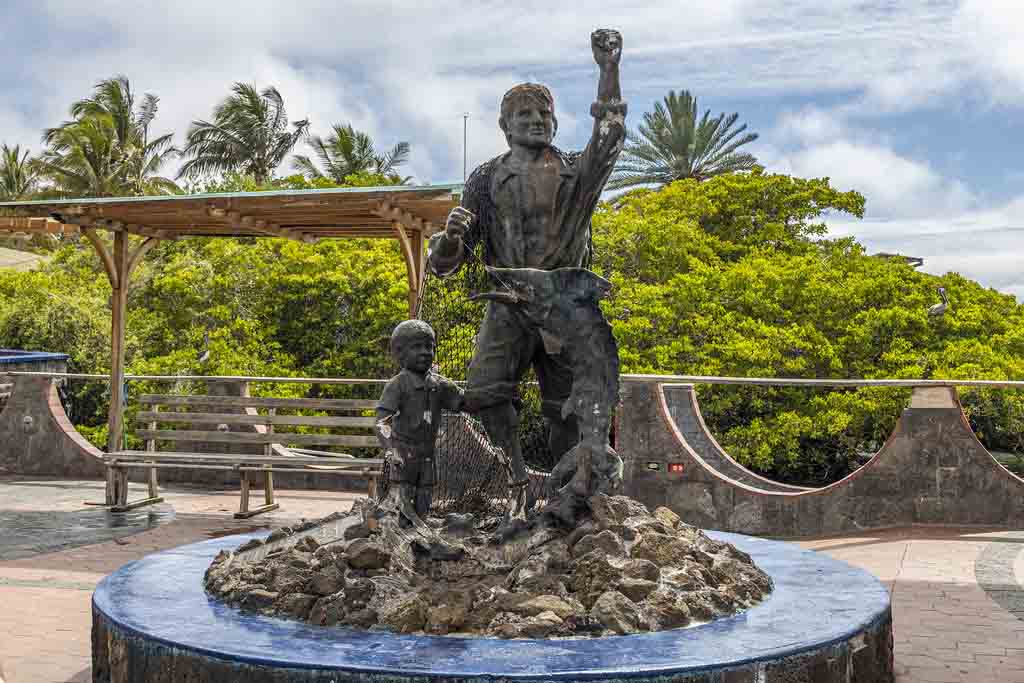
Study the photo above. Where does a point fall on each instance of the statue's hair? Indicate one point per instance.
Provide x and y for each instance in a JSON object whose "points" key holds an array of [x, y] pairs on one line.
{"points": [[408, 331], [525, 91]]}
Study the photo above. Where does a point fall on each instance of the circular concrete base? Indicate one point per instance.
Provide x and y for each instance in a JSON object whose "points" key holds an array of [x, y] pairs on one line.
{"points": [[826, 621]]}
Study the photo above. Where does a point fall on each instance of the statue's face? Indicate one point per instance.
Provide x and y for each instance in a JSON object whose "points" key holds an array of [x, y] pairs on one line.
{"points": [[530, 123], [418, 354]]}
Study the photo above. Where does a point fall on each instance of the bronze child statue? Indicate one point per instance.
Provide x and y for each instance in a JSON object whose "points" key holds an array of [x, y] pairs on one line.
{"points": [[408, 416]]}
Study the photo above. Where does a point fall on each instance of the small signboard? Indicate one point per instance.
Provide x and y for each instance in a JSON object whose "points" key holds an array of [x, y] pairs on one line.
{"points": [[654, 466], [675, 468]]}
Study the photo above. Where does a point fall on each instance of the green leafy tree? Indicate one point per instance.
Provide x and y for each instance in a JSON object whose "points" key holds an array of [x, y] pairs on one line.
{"points": [[672, 144], [732, 277], [348, 152], [250, 134], [106, 149], [18, 173]]}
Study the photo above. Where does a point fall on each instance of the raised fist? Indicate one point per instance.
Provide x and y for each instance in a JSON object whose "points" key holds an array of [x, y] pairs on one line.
{"points": [[607, 46], [458, 223]]}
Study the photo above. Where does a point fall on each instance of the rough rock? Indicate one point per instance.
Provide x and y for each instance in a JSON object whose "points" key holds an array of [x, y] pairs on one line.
{"points": [[249, 545], [364, 553], [609, 511], [297, 605], [544, 603], [541, 625], [668, 609], [307, 544], [363, 618], [330, 579], [446, 618], [358, 593], [661, 549], [406, 615], [327, 611], [553, 584], [593, 574], [667, 517], [260, 598], [607, 541], [641, 569], [636, 589], [356, 531], [618, 613]]}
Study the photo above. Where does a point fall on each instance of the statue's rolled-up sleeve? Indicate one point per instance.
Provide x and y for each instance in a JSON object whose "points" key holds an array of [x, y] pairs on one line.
{"points": [[598, 159], [443, 265]]}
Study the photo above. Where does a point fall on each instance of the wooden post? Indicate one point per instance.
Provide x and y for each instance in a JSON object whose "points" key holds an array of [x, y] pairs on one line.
{"points": [[243, 507], [119, 307], [416, 262]]}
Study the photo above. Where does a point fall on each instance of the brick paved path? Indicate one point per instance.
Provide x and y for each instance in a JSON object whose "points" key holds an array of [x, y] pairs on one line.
{"points": [[958, 595]]}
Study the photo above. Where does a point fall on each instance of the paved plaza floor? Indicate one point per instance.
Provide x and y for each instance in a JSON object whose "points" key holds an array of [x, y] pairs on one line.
{"points": [[958, 594]]}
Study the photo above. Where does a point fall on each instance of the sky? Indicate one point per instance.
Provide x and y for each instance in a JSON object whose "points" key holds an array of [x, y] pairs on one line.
{"points": [[917, 104]]}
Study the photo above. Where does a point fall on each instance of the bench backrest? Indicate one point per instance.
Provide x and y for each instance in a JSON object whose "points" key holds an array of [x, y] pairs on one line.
{"points": [[177, 418]]}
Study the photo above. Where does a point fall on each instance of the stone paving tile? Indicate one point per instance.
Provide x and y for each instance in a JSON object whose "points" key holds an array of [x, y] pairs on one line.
{"points": [[947, 628]]}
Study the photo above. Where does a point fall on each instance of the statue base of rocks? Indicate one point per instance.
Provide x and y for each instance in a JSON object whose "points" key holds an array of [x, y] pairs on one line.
{"points": [[623, 569]]}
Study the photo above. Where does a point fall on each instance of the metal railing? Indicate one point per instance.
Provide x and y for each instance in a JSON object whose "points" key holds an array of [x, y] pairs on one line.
{"points": [[661, 379]]}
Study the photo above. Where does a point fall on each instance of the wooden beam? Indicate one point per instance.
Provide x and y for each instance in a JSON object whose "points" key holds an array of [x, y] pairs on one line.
{"points": [[411, 265], [47, 225], [104, 254], [140, 252]]}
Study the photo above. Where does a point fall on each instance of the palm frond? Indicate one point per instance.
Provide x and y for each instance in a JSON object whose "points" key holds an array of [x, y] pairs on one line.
{"points": [[672, 143]]}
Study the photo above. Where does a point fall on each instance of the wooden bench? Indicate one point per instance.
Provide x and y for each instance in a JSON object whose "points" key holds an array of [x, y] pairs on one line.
{"points": [[176, 418]]}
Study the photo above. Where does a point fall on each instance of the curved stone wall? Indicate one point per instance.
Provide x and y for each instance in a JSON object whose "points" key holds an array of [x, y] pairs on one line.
{"points": [[685, 412], [37, 438], [932, 470]]}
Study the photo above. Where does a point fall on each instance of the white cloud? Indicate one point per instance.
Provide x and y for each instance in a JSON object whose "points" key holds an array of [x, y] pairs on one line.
{"points": [[895, 185], [407, 70], [991, 31]]}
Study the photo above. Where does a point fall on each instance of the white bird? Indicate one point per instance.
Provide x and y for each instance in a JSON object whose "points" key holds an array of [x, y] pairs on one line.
{"points": [[940, 309]]}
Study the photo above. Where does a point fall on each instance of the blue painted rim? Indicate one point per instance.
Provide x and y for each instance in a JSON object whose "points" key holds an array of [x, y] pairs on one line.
{"points": [[17, 356], [817, 602]]}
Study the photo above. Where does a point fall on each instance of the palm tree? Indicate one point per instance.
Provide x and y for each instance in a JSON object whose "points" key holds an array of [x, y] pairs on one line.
{"points": [[128, 163], [347, 151], [18, 173], [249, 134], [671, 144], [84, 159]]}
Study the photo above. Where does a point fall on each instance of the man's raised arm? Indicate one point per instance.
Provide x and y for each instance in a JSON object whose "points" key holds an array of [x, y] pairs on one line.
{"points": [[608, 110]]}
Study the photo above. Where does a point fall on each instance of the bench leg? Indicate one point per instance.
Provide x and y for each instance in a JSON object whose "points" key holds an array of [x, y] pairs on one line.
{"points": [[244, 512], [111, 489], [120, 491]]}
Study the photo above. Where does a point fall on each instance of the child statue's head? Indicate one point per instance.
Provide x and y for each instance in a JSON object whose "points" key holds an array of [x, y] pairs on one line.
{"points": [[412, 345]]}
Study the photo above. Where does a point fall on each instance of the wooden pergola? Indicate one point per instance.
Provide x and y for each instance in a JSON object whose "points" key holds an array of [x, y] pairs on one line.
{"points": [[409, 214]]}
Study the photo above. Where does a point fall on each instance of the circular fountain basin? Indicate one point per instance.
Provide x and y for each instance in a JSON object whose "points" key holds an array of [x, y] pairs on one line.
{"points": [[825, 621]]}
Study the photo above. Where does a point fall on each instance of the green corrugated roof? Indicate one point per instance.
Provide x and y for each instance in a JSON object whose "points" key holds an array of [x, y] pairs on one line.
{"points": [[450, 187]]}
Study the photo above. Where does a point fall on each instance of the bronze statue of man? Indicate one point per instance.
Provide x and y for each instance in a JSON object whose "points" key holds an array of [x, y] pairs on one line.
{"points": [[531, 208]]}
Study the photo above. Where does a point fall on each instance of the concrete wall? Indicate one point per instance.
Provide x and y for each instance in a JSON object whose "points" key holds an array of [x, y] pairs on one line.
{"points": [[932, 470], [37, 438]]}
